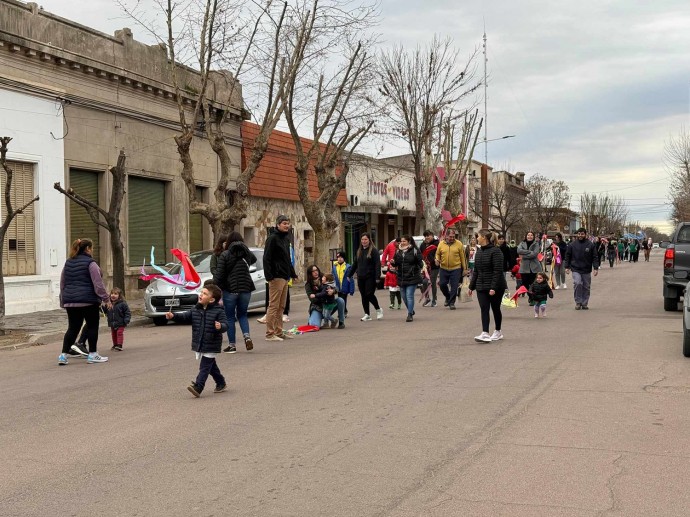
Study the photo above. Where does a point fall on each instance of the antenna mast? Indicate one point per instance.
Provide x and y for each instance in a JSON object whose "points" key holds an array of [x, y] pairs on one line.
{"points": [[486, 113]]}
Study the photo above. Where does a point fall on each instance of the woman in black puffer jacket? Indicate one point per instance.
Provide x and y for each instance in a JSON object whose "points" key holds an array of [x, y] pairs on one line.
{"points": [[232, 276], [490, 283], [408, 262]]}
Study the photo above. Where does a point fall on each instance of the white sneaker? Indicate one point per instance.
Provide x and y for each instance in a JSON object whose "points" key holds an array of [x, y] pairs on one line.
{"points": [[484, 337], [496, 335], [262, 319], [564, 286], [366, 317], [379, 314], [557, 287], [95, 358], [285, 318]]}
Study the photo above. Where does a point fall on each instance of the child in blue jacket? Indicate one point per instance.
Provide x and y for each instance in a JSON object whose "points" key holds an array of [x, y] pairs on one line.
{"points": [[343, 282]]}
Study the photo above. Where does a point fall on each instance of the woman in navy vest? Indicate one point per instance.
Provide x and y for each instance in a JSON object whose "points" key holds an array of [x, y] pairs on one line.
{"points": [[81, 294]]}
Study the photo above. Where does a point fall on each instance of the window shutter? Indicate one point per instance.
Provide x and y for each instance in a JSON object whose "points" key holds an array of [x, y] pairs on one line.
{"points": [[196, 226], [84, 183], [146, 225], [20, 245]]}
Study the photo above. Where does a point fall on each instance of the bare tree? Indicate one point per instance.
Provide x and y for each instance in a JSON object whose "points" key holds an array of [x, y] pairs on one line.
{"points": [[677, 162], [419, 87], [10, 214], [337, 104], [217, 36], [506, 204], [546, 199], [109, 220], [603, 214]]}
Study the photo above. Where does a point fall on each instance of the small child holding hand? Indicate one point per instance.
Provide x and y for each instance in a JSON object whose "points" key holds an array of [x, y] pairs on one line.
{"points": [[119, 317], [391, 282], [209, 323]]}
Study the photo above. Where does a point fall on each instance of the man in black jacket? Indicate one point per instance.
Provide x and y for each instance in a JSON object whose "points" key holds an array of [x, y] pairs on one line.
{"points": [[580, 258], [278, 270]]}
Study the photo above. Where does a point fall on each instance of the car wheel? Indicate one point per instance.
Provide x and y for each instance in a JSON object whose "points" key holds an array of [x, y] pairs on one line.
{"points": [[159, 322], [670, 304], [686, 340]]}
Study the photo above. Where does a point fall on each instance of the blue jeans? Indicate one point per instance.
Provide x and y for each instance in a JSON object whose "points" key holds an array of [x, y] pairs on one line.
{"points": [[235, 305], [315, 317], [407, 292]]}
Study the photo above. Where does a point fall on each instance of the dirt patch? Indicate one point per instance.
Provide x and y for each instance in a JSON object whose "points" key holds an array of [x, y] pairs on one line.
{"points": [[13, 338]]}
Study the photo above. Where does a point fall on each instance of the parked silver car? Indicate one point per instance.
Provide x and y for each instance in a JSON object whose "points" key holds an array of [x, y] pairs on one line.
{"points": [[161, 296]]}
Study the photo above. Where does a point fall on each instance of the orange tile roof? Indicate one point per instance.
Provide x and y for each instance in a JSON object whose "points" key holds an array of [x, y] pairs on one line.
{"points": [[276, 177]]}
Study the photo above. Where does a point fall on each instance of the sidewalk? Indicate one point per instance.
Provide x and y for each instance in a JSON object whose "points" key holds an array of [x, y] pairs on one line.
{"points": [[40, 328]]}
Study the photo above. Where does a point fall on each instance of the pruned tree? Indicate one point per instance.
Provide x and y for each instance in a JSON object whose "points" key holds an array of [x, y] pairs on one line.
{"points": [[677, 162], [222, 39], [335, 99], [10, 214], [458, 165], [546, 199], [419, 87], [110, 220], [602, 214]]}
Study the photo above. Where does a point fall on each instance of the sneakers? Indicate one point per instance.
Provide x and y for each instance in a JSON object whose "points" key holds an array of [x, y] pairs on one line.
{"points": [[391, 306], [219, 389], [78, 349], [557, 287], [286, 336], [379, 314], [341, 325], [446, 303], [62, 360], [95, 358], [426, 303], [564, 286], [230, 349], [116, 347], [262, 319], [451, 306], [285, 318], [433, 303], [334, 324], [366, 317], [584, 307], [409, 318], [195, 390], [399, 306], [497, 335], [248, 343], [484, 337], [578, 306], [274, 338], [536, 314]]}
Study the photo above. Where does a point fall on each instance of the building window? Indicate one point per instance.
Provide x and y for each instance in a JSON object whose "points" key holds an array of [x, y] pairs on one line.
{"points": [[19, 248], [196, 226], [146, 221], [84, 183], [477, 201]]}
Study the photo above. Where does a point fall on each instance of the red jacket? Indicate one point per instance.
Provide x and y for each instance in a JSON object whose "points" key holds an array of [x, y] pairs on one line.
{"points": [[391, 280], [389, 253]]}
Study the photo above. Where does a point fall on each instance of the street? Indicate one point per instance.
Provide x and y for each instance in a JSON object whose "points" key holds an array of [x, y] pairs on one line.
{"points": [[582, 413]]}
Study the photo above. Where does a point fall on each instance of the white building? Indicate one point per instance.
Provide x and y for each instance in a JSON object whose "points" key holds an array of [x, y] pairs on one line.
{"points": [[34, 249]]}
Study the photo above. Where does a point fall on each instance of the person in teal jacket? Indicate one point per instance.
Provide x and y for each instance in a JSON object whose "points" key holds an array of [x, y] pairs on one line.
{"points": [[343, 283]]}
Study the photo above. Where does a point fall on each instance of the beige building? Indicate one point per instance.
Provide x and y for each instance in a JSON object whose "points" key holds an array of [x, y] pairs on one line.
{"points": [[72, 98]]}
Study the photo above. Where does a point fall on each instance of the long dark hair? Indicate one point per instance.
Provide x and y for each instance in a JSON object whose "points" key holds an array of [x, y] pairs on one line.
{"points": [[233, 237], [309, 278], [360, 249], [219, 245], [534, 235], [409, 239]]}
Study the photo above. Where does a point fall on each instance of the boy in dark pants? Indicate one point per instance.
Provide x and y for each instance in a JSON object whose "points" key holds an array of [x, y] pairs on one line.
{"points": [[209, 323]]}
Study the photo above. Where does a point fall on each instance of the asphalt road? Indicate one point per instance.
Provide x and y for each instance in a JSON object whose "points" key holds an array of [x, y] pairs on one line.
{"points": [[579, 414]]}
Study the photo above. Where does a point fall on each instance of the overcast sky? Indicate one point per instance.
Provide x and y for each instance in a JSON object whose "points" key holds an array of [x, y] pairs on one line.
{"points": [[591, 89]]}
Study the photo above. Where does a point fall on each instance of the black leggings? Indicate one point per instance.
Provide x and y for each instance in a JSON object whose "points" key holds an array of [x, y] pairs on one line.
{"points": [[485, 301], [367, 289], [75, 319]]}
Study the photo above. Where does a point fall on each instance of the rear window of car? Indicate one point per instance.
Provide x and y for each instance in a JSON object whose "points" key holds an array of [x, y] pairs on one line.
{"points": [[684, 235]]}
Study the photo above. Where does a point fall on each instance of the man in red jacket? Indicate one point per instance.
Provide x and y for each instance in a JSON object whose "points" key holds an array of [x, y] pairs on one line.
{"points": [[389, 252]]}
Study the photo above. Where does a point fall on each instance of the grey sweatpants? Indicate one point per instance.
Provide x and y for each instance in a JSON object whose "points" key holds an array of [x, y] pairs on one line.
{"points": [[582, 282]]}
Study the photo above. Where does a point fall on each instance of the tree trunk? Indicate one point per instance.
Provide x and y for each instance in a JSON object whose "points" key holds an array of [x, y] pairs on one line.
{"points": [[2, 290], [118, 251], [322, 240], [419, 207]]}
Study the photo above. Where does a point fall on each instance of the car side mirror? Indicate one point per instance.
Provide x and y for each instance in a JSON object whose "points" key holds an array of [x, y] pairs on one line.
{"points": [[252, 269]]}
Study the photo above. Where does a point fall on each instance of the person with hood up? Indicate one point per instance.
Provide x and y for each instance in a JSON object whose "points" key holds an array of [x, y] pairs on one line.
{"points": [[278, 270], [233, 277], [581, 258]]}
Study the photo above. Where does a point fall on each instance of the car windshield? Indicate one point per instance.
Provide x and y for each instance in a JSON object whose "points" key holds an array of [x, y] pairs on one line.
{"points": [[202, 262]]}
